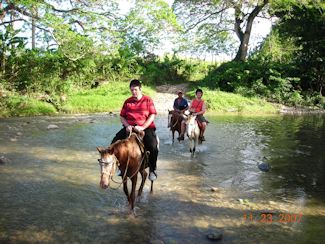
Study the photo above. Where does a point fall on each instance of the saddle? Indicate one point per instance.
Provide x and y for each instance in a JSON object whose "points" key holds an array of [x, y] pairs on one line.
{"points": [[199, 124], [144, 153]]}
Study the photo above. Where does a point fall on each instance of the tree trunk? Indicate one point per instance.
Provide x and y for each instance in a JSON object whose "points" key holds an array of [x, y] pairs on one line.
{"points": [[33, 29], [244, 36], [33, 34]]}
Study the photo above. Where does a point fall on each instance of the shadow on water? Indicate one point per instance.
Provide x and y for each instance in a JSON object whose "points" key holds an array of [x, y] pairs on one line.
{"points": [[47, 208], [50, 188]]}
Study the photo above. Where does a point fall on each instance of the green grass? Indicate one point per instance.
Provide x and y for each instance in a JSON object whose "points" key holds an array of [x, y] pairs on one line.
{"points": [[223, 102], [110, 98], [106, 98], [17, 105]]}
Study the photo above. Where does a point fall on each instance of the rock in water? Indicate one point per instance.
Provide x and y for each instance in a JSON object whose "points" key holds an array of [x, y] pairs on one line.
{"points": [[3, 160], [50, 127], [264, 167], [216, 236]]}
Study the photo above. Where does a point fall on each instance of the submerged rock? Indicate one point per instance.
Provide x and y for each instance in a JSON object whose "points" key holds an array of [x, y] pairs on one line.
{"points": [[215, 236], [265, 167], [214, 189], [50, 127], [3, 160]]}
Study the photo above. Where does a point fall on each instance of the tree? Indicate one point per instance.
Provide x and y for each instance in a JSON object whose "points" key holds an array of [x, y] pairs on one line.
{"points": [[218, 19], [72, 23], [10, 42], [147, 24], [304, 23]]}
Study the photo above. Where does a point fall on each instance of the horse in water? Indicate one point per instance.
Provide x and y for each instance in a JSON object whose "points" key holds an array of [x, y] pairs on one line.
{"points": [[130, 157], [175, 121], [193, 132]]}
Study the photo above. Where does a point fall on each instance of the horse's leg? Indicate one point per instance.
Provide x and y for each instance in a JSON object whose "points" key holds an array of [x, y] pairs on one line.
{"points": [[195, 143], [151, 187], [191, 144], [144, 175], [132, 195], [126, 191], [173, 133]]}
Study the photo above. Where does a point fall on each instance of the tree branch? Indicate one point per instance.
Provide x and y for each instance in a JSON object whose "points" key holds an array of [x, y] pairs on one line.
{"points": [[11, 21], [204, 18]]}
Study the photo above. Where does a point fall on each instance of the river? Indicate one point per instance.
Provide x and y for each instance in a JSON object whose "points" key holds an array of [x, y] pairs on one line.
{"points": [[50, 183]]}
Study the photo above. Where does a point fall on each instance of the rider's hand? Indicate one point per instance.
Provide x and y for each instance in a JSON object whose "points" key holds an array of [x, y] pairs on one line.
{"points": [[129, 128], [139, 128]]}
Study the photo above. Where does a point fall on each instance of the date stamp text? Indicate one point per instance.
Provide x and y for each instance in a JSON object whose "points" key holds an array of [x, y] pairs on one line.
{"points": [[272, 217]]}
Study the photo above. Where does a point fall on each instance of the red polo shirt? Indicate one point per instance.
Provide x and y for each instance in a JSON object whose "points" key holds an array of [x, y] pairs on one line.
{"points": [[136, 112]]}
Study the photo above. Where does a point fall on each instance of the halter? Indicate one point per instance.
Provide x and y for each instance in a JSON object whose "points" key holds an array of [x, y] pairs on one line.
{"points": [[105, 163], [115, 161]]}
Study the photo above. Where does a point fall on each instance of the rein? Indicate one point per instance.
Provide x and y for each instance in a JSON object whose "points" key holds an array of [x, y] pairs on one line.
{"points": [[176, 122], [141, 146]]}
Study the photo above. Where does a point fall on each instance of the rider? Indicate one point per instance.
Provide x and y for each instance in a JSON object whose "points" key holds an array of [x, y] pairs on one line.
{"points": [[138, 112], [197, 108], [180, 105]]}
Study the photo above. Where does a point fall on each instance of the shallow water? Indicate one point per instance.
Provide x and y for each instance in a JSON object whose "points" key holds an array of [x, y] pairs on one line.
{"points": [[50, 185]]}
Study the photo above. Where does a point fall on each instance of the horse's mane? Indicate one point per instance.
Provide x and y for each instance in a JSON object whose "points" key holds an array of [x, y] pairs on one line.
{"points": [[118, 143]]}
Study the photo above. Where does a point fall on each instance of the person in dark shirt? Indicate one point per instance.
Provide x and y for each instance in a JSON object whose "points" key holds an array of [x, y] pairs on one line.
{"points": [[180, 105]]}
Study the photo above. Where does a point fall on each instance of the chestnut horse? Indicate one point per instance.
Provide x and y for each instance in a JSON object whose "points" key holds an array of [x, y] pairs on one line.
{"points": [[130, 157], [175, 121]]}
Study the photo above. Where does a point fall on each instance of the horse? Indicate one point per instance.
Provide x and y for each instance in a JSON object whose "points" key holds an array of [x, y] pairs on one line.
{"points": [[175, 120], [130, 157], [193, 132]]}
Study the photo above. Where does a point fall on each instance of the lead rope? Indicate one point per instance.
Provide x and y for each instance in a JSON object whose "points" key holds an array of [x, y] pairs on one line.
{"points": [[176, 122], [127, 166], [123, 178]]}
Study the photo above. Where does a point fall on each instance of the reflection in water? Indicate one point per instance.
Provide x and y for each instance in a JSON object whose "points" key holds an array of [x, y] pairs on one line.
{"points": [[50, 184]]}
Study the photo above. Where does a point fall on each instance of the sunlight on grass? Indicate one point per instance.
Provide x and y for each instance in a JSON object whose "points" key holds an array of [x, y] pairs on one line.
{"points": [[26, 106], [223, 102], [106, 98]]}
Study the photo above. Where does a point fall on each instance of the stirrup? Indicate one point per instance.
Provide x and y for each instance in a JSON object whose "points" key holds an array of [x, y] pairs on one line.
{"points": [[152, 176], [201, 138]]}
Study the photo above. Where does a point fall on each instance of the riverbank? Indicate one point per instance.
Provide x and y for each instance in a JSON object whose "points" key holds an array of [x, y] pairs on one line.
{"points": [[110, 97]]}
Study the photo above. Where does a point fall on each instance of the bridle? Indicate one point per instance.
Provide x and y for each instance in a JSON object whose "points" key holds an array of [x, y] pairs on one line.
{"points": [[116, 162], [104, 164]]}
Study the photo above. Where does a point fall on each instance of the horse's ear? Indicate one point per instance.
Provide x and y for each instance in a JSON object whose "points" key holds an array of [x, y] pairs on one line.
{"points": [[100, 149]]}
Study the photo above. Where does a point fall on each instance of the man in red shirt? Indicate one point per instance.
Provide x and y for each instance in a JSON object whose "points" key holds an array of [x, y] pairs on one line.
{"points": [[138, 112]]}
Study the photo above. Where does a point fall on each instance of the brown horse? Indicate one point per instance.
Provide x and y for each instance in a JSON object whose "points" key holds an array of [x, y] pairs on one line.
{"points": [[175, 120], [130, 156]]}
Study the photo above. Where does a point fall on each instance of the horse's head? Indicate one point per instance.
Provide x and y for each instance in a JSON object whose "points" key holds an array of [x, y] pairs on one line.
{"points": [[108, 164], [192, 126], [191, 120]]}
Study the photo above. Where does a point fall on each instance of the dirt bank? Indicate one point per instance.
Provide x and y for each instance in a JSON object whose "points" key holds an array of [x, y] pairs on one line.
{"points": [[165, 96]]}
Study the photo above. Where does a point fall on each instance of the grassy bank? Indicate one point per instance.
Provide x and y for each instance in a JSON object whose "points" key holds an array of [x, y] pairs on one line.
{"points": [[106, 98], [110, 97], [223, 102]]}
